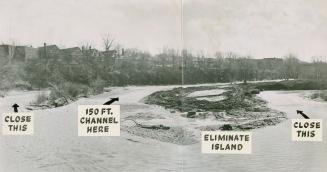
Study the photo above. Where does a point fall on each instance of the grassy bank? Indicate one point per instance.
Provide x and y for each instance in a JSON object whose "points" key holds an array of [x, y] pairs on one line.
{"points": [[321, 95], [291, 85], [296, 85]]}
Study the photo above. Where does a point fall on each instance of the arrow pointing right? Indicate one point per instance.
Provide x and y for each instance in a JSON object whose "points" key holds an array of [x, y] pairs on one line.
{"points": [[111, 101]]}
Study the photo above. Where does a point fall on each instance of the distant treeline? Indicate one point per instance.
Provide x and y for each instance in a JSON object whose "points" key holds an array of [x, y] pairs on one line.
{"points": [[89, 73]]}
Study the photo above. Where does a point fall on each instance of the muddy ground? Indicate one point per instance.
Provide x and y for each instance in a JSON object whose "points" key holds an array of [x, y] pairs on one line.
{"points": [[237, 105]]}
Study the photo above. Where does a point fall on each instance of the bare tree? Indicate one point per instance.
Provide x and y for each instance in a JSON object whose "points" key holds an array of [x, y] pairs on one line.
{"points": [[11, 51], [291, 67], [319, 64], [118, 48], [246, 68], [107, 41], [86, 46]]}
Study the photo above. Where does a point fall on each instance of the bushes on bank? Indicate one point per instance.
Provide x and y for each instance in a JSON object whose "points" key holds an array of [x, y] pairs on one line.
{"points": [[319, 95], [41, 98]]}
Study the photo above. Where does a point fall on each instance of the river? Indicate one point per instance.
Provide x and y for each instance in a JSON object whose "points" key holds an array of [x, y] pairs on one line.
{"points": [[55, 145], [272, 148]]}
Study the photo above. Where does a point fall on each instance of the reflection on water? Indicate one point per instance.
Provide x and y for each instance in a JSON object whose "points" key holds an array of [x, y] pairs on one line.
{"points": [[272, 147]]}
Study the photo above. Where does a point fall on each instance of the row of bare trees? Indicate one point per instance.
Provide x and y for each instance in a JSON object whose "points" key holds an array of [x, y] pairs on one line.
{"points": [[171, 66]]}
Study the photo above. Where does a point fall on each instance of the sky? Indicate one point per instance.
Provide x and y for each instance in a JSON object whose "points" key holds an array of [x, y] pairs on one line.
{"points": [[259, 28], [145, 24]]}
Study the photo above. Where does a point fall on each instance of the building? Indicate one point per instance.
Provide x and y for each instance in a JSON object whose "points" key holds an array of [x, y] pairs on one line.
{"points": [[50, 52], [13, 53], [91, 52], [6, 51], [73, 55], [109, 53], [23, 53]]}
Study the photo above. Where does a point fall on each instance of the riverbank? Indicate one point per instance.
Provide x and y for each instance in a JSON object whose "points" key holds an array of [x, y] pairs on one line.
{"points": [[318, 87], [55, 145], [290, 85], [235, 104]]}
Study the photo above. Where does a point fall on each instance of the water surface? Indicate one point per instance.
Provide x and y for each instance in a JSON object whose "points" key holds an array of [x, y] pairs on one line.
{"points": [[272, 148]]}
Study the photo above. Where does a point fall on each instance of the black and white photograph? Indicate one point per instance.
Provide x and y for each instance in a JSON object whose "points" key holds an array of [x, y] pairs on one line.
{"points": [[163, 85]]}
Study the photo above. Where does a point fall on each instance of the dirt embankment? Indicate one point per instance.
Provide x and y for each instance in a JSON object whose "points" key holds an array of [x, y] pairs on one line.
{"points": [[240, 109], [319, 85], [291, 85]]}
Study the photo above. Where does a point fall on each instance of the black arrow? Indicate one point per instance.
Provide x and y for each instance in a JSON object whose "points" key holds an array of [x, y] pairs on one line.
{"points": [[15, 106], [301, 112], [111, 101]]}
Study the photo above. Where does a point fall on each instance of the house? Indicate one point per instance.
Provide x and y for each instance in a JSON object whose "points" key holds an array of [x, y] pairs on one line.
{"points": [[4, 54], [91, 52], [3, 51], [23, 53], [6, 51], [73, 55], [13, 53], [108, 56], [50, 52], [209, 63], [270, 63], [109, 53]]}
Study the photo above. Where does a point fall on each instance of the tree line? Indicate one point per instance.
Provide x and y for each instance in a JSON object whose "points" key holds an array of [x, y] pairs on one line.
{"points": [[89, 74], [137, 67]]}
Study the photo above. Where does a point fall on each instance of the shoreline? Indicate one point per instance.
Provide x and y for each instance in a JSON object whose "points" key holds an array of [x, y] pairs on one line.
{"points": [[241, 109]]}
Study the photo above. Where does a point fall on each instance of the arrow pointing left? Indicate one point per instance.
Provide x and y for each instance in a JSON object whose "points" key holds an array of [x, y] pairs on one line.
{"points": [[301, 112]]}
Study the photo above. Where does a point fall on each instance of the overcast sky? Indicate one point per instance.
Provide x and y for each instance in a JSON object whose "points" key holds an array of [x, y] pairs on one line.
{"points": [[261, 28], [145, 24]]}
